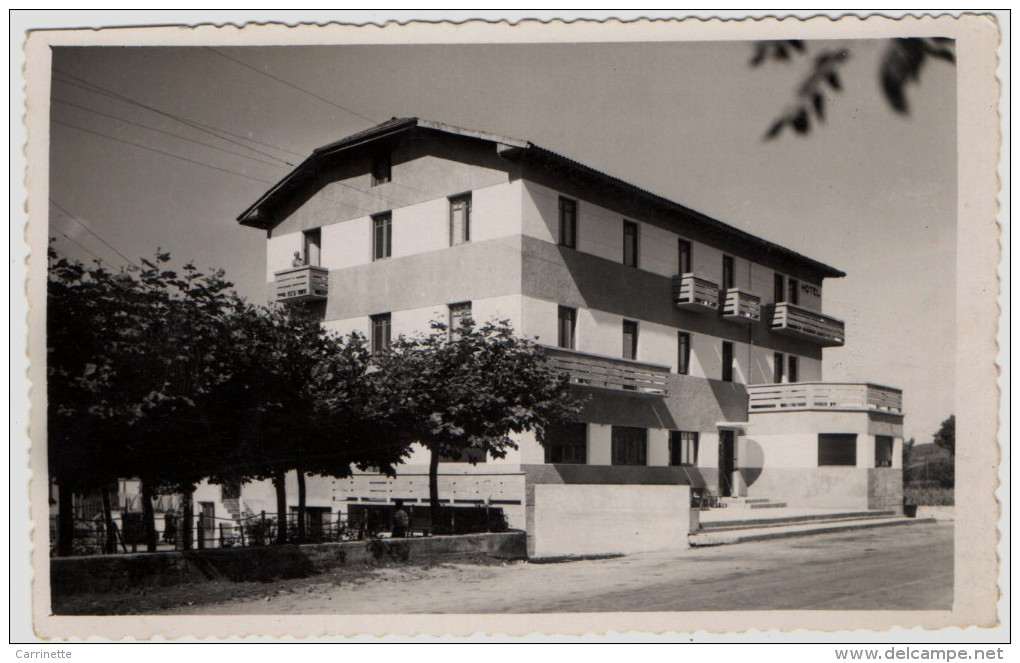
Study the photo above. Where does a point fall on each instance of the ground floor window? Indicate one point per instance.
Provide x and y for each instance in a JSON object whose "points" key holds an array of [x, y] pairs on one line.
{"points": [[567, 443], [683, 447], [883, 451], [630, 446], [837, 449]]}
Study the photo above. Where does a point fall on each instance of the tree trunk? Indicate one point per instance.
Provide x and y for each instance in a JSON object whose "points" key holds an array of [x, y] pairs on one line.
{"points": [[111, 535], [148, 516], [434, 513], [301, 530], [65, 521], [280, 483], [187, 517]]}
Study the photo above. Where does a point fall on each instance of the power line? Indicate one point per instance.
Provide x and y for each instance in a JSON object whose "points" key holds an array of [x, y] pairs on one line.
{"points": [[291, 85], [90, 231], [167, 133], [152, 149], [92, 87], [76, 243]]}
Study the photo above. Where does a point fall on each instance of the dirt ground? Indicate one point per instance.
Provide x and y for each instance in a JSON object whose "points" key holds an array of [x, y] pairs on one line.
{"points": [[892, 568]]}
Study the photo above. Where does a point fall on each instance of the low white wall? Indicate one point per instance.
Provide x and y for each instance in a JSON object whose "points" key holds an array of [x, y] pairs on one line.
{"points": [[585, 519]]}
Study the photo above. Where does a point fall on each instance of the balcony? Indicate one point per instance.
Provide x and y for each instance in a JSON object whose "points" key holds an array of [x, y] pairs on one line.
{"points": [[601, 372], [842, 396], [302, 284], [741, 306], [695, 293], [793, 320]]}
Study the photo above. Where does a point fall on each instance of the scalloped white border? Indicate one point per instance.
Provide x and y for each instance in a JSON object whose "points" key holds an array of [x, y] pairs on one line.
{"points": [[977, 399]]}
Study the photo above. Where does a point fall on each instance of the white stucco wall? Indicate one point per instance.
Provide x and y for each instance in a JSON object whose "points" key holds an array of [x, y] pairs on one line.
{"points": [[595, 519]]}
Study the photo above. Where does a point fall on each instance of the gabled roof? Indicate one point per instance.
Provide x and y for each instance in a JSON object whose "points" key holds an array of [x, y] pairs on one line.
{"points": [[516, 148]]}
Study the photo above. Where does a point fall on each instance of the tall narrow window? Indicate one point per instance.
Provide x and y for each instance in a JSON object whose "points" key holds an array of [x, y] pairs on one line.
{"points": [[793, 289], [686, 256], [777, 367], [630, 446], [683, 358], [883, 451], [567, 443], [630, 244], [381, 169], [727, 361], [460, 219], [382, 236], [629, 339], [568, 223], [778, 288], [313, 246], [567, 325], [459, 313], [792, 372], [683, 447], [727, 272], [380, 332]]}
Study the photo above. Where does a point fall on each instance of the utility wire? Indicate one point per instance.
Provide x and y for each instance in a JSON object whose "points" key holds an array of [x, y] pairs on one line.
{"points": [[291, 85], [152, 149], [90, 231], [92, 87], [167, 133], [78, 244]]}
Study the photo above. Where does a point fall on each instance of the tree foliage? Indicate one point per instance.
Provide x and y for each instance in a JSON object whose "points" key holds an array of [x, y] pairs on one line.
{"points": [[901, 66], [464, 394], [945, 436]]}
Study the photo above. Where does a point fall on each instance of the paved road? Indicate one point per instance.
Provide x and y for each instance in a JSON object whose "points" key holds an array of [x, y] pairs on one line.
{"points": [[893, 568]]}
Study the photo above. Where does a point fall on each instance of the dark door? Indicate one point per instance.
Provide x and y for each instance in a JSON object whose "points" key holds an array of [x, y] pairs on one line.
{"points": [[727, 461], [207, 521]]}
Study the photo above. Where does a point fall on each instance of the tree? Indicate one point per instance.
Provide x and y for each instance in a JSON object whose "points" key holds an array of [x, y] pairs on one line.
{"points": [[945, 436], [128, 358], [901, 65], [464, 394]]}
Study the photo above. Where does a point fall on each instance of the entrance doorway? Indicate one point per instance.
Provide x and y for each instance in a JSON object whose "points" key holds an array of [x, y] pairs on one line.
{"points": [[727, 461]]}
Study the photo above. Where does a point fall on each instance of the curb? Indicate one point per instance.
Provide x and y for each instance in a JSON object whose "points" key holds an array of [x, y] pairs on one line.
{"points": [[709, 539]]}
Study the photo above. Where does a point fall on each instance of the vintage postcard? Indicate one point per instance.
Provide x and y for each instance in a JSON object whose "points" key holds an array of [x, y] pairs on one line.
{"points": [[643, 326]]}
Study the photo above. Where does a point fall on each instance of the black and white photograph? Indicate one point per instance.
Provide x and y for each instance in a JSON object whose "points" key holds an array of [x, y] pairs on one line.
{"points": [[512, 321]]}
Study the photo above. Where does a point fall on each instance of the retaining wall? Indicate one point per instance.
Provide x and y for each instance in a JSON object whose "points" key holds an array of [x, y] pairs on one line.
{"points": [[117, 573]]}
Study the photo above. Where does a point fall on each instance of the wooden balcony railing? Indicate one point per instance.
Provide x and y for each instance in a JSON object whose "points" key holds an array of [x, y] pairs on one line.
{"points": [[741, 306], [302, 284], [824, 396], [590, 370], [793, 320], [695, 293]]}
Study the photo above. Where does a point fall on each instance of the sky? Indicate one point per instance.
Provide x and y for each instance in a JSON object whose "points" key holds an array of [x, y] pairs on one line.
{"points": [[869, 191]]}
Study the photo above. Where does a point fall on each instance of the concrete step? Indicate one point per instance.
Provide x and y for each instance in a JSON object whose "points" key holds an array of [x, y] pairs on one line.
{"points": [[766, 505], [722, 538], [779, 521]]}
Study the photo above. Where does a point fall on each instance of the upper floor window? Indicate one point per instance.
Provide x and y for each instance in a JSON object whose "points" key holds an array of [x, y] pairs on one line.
{"points": [[630, 446], [566, 327], [313, 247], [777, 367], [630, 244], [382, 236], [683, 447], [792, 291], [460, 219], [727, 361], [380, 332], [568, 223], [727, 272], [683, 360], [791, 373], [567, 443], [470, 455], [459, 313], [778, 288], [630, 332], [381, 169], [686, 256], [837, 449]]}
